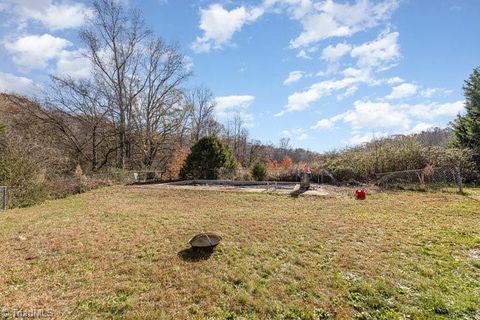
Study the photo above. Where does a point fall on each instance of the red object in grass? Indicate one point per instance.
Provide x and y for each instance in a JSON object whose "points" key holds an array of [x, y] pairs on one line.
{"points": [[360, 194]]}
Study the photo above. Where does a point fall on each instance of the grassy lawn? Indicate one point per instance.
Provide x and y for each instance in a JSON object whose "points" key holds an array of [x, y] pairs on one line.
{"points": [[119, 252]]}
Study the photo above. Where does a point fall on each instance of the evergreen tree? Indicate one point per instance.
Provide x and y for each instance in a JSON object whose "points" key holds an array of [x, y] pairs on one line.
{"points": [[259, 171], [207, 156], [467, 127], [2, 127]]}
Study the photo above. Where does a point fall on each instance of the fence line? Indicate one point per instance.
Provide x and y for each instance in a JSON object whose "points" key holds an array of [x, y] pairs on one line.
{"points": [[428, 176], [3, 198]]}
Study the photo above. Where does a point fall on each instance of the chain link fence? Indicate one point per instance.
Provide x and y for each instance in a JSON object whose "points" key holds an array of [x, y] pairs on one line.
{"points": [[428, 178], [3, 198], [448, 178]]}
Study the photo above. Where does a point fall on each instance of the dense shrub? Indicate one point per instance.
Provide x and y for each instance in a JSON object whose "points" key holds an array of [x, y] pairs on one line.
{"points": [[206, 157], [259, 171], [24, 179], [364, 163], [345, 174], [34, 168], [22, 170]]}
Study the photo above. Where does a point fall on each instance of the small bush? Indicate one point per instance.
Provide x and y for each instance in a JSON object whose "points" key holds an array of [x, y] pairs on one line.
{"points": [[259, 171]]}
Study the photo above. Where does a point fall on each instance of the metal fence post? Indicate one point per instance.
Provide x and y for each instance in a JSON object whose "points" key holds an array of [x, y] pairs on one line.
{"points": [[3, 191], [458, 175]]}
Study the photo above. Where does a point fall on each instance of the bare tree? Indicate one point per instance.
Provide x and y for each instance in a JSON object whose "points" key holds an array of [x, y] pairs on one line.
{"points": [[201, 104], [236, 136], [284, 148], [115, 40], [285, 143], [139, 76], [78, 112], [159, 113], [213, 127]]}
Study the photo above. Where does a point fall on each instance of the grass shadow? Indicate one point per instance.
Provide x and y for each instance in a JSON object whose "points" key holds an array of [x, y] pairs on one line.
{"points": [[194, 255]]}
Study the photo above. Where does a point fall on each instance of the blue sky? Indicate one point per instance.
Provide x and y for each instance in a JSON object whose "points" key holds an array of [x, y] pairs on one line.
{"points": [[325, 73]]}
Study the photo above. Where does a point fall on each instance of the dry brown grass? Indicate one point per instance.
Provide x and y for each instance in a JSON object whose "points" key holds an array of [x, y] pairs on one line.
{"points": [[117, 253]]}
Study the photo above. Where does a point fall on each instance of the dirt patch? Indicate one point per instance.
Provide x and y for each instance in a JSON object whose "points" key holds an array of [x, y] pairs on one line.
{"points": [[287, 188], [239, 186]]}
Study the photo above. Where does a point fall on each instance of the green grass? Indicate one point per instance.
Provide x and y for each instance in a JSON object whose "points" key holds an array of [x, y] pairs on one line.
{"points": [[119, 252]]}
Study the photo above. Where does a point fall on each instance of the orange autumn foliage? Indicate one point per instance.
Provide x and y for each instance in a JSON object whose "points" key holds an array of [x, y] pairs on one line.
{"points": [[176, 164], [287, 162], [272, 165]]}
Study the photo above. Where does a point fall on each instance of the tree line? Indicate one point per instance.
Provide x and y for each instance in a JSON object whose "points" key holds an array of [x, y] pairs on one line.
{"points": [[134, 112]]}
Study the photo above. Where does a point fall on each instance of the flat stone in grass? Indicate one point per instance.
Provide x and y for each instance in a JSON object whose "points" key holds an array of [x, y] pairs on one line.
{"points": [[474, 253]]}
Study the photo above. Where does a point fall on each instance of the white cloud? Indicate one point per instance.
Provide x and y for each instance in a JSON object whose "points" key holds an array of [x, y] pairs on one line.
{"points": [[331, 69], [55, 16], [225, 103], [334, 53], [299, 101], [372, 56], [188, 62], [363, 137], [348, 93], [379, 53], [433, 110], [361, 74], [302, 136], [395, 80], [324, 124], [297, 9], [359, 138], [226, 107], [63, 16], [298, 134], [430, 92], [34, 52], [367, 114], [328, 123], [73, 64], [392, 118], [37, 51], [420, 127], [293, 77], [219, 24], [320, 20], [302, 54], [20, 85], [330, 19], [405, 90], [411, 114]]}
